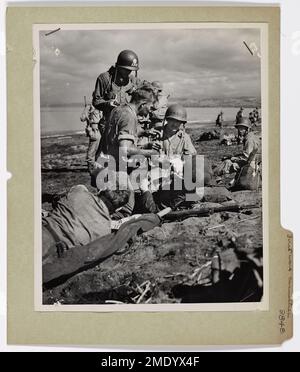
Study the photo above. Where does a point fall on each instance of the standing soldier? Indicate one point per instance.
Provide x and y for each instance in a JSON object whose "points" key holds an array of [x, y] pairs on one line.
{"points": [[256, 115], [113, 88], [92, 117], [252, 118], [240, 114], [220, 120]]}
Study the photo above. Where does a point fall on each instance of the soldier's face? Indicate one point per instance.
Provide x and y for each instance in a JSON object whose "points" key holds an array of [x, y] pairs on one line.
{"points": [[144, 108], [242, 132], [124, 72], [173, 126]]}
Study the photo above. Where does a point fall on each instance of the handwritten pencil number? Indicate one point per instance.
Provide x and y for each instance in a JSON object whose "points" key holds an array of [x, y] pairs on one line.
{"points": [[282, 319]]}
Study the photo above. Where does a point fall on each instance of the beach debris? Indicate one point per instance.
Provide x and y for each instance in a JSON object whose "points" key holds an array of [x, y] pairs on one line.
{"points": [[228, 140], [209, 136]]}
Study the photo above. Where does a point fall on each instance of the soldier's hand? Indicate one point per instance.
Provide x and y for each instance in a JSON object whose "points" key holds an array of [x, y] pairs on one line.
{"points": [[236, 167], [155, 133], [113, 103], [156, 146]]}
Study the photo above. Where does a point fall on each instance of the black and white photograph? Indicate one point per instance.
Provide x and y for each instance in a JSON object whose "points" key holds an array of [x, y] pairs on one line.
{"points": [[149, 166]]}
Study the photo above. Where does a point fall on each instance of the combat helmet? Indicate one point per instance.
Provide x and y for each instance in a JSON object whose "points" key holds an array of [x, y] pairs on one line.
{"points": [[129, 60], [177, 112], [157, 85], [243, 122]]}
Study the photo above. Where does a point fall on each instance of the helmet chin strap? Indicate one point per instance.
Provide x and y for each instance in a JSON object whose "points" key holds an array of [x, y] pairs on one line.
{"points": [[115, 73]]}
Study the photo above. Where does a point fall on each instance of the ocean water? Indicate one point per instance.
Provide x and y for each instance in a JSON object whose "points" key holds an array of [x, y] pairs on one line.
{"points": [[58, 120]]}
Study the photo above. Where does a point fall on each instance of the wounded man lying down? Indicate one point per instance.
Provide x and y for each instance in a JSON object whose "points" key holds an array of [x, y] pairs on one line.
{"points": [[79, 218]]}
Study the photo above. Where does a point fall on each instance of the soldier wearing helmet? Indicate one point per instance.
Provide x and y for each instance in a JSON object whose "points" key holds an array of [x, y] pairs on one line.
{"points": [[113, 88], [173, 146], [175, 139], [247, 138], [252, 118], [251, 149], [240, 114], [256, 115]]}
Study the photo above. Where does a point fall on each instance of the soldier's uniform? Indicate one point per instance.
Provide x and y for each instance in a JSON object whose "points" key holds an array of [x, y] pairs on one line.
{"points": [[79, 218], [92, 117], [123, 125], [220, 120], [179, 144], [111, 87], [106, 90], [251, 154], [239, 115], [252, 147]]}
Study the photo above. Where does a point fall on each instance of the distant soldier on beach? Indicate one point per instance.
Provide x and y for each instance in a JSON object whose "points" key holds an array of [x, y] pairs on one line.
{"points": [[220, 120], [252, 118], [240, 114], [92, 118], [256, 115]]}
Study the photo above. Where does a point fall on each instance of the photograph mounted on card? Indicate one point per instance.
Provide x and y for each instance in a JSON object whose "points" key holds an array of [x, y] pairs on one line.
{"points": [[150, 166]]}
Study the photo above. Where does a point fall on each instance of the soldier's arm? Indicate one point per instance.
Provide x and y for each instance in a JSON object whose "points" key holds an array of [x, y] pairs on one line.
{"points": [[130, 149], [249, 147], [127, 137], [99, 101]]}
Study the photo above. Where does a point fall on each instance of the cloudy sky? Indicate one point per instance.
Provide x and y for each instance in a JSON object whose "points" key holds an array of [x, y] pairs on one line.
{"points": [[199, 63]]}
